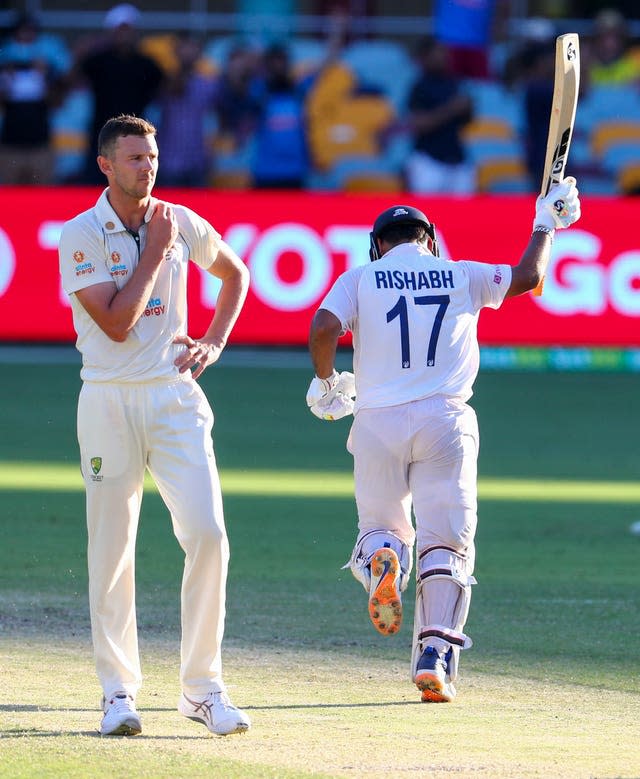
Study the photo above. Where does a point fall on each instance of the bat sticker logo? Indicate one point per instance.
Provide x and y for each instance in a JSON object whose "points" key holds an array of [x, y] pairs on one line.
{"points": [[571, 51], [559, 156]]}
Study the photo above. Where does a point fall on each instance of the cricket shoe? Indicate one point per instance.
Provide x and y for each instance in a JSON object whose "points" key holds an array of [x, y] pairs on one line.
{"points": [[215, 711], [385, 604], [120, 716], [431, 677]]}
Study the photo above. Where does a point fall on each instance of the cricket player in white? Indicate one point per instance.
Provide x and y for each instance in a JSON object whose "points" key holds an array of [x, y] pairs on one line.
{"points": [[124, 266], [414, 438]]}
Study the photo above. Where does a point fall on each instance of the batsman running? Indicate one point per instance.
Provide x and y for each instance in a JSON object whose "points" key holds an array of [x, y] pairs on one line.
{"points": [[414, 438]]}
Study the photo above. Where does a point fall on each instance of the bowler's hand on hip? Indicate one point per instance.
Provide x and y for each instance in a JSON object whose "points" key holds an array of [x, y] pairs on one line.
{"points": [[196, 356]]}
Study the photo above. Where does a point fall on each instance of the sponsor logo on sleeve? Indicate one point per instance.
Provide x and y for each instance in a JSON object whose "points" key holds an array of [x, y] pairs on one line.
{"points": [[497, 276], [83, 268]]}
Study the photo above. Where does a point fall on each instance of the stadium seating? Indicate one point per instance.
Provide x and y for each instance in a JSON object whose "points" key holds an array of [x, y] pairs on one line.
{"points": [[383, 66], [343, 122], [69, 125], [628, 178], [503, 175], [493, 138], [614, 153], [616, 133], [359, 173], [493, 100], [355, 140]]}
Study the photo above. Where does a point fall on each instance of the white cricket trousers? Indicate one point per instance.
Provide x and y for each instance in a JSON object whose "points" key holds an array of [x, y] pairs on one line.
{"points": [[165, 427], [423, 455]]}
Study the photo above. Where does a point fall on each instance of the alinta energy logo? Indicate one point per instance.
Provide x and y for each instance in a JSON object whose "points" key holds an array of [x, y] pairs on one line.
{"points": [[155, 307], [7, 262], [82, 268], [118, 268]]}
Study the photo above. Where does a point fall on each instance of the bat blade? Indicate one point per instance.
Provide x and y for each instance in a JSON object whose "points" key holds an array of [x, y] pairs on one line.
{"points": [[563, 113]]}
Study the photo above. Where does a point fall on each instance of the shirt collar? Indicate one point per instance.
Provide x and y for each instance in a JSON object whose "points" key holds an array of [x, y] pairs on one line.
{"points": [[109, 220], [407, 249]]}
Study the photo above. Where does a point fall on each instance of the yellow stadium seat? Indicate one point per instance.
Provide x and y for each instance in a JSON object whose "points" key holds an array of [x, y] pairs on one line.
{"points": [[66, 141], [162, 49], [373, 182], [334, 85], [231, 179], [607, 134], [353, 128], [488, 127], [507, 174], [629, 179]]}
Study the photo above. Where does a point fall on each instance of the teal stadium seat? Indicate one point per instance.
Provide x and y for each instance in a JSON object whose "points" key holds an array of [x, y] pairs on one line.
{"points": [[382, 65], [492, 100], [70, 133]]}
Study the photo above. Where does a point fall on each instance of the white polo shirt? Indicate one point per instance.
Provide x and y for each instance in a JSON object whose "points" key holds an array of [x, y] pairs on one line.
{"points": [[96, 247], [414, 322]]}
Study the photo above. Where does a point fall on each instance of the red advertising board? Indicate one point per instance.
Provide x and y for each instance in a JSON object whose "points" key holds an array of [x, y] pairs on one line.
{"points": [[296, 244]]}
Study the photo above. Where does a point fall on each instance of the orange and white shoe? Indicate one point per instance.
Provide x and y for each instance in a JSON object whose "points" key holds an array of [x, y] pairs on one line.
{"points": [[431, 678], [385, 603]]}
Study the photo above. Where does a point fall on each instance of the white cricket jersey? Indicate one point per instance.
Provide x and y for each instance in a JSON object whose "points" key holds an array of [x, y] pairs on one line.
{"points": [[95, 247], [414, 322]]}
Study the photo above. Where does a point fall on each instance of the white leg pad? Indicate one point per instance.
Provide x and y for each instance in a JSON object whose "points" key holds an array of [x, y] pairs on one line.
{"points": [[367, 545], [443, 595]]}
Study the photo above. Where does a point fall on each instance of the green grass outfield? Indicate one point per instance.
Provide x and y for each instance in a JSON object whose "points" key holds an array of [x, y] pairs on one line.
{"points": [[550, 689]]}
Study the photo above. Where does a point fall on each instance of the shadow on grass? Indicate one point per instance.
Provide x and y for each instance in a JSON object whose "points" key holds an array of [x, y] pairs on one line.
{"points": [[34, 733], [280, 707]]}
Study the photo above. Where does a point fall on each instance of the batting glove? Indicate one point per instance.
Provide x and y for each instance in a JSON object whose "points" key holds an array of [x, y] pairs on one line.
{"points": [[335, 408], [332, 398], [322, 389], [560, 208]]}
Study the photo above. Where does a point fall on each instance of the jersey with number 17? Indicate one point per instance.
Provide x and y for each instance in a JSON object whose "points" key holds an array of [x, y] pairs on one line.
{"points": [[414, 322]]}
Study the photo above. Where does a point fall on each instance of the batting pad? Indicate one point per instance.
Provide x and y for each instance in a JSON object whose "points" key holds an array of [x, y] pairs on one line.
{"points": [[443, 595]]}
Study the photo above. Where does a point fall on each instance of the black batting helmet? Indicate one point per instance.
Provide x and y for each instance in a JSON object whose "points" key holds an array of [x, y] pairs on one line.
{"points": [[400, 215]]}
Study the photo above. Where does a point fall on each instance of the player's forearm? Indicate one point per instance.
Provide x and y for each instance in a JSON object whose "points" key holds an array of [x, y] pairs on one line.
{"points": [[527, 274], [118, 313], [228, 307], [323, 342], [128, 304]]}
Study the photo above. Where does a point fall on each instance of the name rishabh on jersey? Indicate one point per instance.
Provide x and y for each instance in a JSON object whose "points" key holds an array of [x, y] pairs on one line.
{"points": [[397, 279], [414, 318]]}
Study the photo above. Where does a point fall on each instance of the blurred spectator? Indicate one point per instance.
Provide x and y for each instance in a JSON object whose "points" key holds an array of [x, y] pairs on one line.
{"points": [[438, 112], [281, 157], [236, 100], [31, 67], [185, 103], [121, 79], [537, 64], [612, 62], [466, 29]]}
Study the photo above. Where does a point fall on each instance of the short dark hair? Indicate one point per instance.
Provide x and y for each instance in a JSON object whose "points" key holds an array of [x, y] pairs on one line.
{"points": [[403, 233], [119, 127]]}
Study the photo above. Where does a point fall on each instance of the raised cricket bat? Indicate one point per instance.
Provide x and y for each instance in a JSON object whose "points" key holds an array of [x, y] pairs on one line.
{"points": [[563, 114]]}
